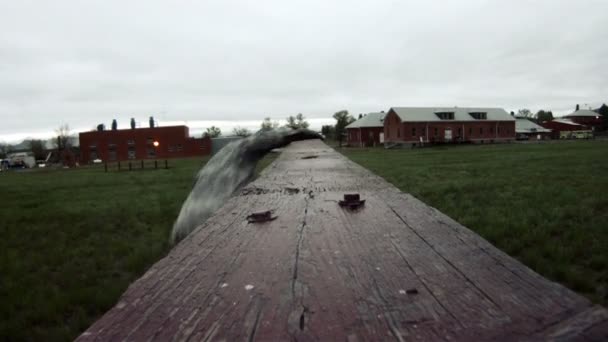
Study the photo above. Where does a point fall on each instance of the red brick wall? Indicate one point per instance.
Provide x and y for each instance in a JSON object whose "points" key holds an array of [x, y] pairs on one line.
{"points": [[434, 131], [174, 142], [590, 121]]}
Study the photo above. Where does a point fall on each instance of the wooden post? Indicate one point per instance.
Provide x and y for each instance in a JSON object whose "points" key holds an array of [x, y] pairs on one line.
{"points": [[156, 164], [130, 167], [166, 164]]}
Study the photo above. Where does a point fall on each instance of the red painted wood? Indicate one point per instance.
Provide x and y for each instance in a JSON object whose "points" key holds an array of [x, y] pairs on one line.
{"points": [[395, 269]]}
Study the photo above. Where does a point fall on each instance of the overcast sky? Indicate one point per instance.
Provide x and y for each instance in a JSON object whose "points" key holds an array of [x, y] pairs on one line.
{"points": [[235, 62]]}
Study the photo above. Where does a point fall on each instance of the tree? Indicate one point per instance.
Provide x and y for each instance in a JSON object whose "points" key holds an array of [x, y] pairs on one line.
{"points": [[101, 127], [5, 149], [132, 123], [212, 132], [343, 119], [328, 131], [577, 107], [603, 111], [114, 125], [525, 113], [151, 122], [299, 121], [63, 137], [241, 132], [37, 147], [542, 116], [268, 125]]}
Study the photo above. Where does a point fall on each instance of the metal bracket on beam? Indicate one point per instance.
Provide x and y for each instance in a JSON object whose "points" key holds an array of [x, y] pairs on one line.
{"points": [[352, 201], [263, 216]]}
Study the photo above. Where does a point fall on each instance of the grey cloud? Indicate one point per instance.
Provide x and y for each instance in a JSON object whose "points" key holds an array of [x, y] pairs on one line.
{"points": [[84, 62]]}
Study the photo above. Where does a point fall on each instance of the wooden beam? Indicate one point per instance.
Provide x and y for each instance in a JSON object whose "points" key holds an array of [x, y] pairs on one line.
{"points": [[394, 269]]}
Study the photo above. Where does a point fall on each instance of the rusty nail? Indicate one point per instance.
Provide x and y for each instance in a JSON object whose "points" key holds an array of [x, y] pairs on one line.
{"points": [[262, 216], [351, 201]]}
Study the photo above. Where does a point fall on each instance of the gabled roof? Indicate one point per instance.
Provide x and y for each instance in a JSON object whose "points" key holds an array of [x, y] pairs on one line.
{"points": [[460, 113], [582, 112], [369, 120], [523, 125]]}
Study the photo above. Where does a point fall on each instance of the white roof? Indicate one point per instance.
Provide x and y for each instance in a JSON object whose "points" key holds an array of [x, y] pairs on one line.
{"points": [[523, 125], [460, 113], [369, 120], [567, 122], [582, 112]]}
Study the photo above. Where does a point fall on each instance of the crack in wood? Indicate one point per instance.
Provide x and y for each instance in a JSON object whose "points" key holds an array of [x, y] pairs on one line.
{"points": [[483, 293]]}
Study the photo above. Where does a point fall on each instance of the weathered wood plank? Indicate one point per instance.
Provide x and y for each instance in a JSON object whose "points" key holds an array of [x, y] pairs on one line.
{"points": [[394, 269]]}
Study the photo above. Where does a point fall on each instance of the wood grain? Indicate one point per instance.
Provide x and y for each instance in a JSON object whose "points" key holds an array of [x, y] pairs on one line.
{"points": [[395, 269]]}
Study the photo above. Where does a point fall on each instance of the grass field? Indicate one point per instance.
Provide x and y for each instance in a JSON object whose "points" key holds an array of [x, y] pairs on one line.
{"points": [[73, 240], [545, 204]]}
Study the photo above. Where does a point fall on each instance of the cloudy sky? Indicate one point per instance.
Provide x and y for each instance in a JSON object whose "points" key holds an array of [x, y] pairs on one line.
{"points": [[235, 62]]}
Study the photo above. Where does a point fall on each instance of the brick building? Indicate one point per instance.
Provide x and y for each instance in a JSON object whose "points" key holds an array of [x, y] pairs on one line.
{"points": [[586, 117], [141, 143], [367, 131], [421, 125], [566, 129]]}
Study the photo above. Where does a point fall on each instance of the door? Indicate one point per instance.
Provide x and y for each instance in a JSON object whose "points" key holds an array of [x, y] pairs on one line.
{"points": [[448, 134]]}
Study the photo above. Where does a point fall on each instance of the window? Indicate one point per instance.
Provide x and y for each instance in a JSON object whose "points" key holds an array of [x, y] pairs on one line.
{"points": [[112, 155], [480, 130], [491, 130], [413, 131], [498, 129], [93, 155], [479, 115], [470, 130], [130, 142], [436, 131], [131, 154], [445, 115], [179, 147], [459, 131], [151, 152], [171, 148], [150, 141]]}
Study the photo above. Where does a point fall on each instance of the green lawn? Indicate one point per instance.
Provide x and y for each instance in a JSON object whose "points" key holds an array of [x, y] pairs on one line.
{"points": [[545, 204], [72, 241]]}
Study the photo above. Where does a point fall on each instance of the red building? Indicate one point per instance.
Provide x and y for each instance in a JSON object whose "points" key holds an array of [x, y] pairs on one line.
{"points": [[562, 128], [367, 131], [586, 117], [141, 143], [421, 125]]}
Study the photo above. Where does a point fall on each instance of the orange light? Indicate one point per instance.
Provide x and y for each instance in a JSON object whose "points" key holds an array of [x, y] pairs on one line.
{"points": [[156, 144]]}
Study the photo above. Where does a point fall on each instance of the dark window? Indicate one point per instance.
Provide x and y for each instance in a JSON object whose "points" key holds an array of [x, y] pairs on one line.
{"points": [[179, 147], [459, 131], [151, 152], [445, 115], [498, 129], [480, 130], [171, 148], [130, 142], [492, 130], [398, 132], [149, 141], [414, 131], [470, 130], [436, 131], [479, 115], [93, 155], [112, 155], [131, 152]]}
